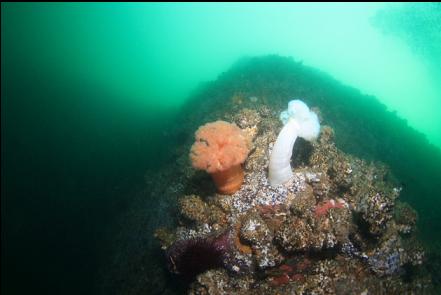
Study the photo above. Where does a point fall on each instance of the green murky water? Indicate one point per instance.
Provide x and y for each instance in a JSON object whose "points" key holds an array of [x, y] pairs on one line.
{"points": [[91, 92]]}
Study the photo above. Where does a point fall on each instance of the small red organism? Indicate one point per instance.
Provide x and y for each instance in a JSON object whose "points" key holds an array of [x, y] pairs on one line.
{"points": [[280, 280], [323, 208], [297, 277], [286, 268], [292, 272]]}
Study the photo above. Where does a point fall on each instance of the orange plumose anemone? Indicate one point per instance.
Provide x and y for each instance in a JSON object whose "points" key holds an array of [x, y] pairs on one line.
{"points": [[220, 149]]}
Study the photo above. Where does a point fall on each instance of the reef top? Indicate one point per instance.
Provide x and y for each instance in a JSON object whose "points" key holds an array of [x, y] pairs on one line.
{"points": [[337, 225]]}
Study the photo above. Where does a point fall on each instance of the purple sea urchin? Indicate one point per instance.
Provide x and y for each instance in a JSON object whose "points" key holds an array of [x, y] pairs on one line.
{"points": [[193, 256]]}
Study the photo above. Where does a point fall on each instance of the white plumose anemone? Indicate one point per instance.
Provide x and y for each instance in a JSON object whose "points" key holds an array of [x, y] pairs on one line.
{"points": [[299, 121]]}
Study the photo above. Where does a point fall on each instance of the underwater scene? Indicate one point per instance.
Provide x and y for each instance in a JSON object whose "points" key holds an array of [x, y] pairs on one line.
{"points": [[220, 148]]}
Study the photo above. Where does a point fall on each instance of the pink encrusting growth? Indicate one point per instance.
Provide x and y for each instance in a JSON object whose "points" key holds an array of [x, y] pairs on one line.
{"points": [[291, 273], [280, 280], [323, 208]]}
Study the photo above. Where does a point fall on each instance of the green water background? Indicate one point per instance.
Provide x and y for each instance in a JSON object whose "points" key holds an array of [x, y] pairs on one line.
{"points": [[89, 93]]}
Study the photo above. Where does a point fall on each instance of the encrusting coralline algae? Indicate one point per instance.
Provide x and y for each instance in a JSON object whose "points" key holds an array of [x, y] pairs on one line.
{"points": [[337, 227]]}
